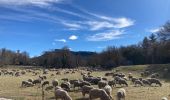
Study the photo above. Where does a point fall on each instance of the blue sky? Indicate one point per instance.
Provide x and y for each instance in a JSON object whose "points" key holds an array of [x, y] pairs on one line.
{"points": [[82, 25]]}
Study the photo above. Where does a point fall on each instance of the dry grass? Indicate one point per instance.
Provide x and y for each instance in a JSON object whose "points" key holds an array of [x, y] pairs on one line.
{"points": [[10, 88]]}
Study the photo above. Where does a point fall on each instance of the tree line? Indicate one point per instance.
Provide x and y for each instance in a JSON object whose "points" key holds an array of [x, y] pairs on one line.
{"points": [[154, 49]]}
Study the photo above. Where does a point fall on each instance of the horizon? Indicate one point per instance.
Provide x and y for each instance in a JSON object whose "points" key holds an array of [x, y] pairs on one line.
{"points": [[36, 26]]}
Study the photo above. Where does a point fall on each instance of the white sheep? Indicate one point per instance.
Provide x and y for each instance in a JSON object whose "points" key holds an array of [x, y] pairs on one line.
{"points": [[164, 98], [121, 94], [55, 82], [61, 94], [108, 90], [98, 93], [86, 89]]}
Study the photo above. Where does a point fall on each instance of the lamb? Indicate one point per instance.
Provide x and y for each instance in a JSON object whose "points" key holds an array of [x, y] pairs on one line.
{"points": [[154, 80], [61, 94], [98, 93], [55, 82], [108, 90], [86, 89], [121, 94], [102, 84]]}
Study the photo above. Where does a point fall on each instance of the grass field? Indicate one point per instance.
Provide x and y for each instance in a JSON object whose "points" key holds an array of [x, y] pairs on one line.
{"points": [[10, 86]]}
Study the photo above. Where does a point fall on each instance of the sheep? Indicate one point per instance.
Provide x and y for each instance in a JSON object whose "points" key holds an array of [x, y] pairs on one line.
{"points": [[98, 93], [43, 77], [27, 84], [86, 89], [156, 81], [146, 82], [164, 98], [104, 78], [133, 80], [66, 86], [61, 94], [122, 81], [55, 82], [112, 83], [108, 90], [49, 88], [37, 81], [102, 84], [121, 94], [95, 80], [109, 74], [130, 77], [138, 82], [30, 80], [65, 79], [45, 83]]}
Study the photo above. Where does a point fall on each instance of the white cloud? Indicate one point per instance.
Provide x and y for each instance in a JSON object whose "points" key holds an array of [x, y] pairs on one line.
{"points": [[97, 25], [122, 22], [73, 37], [154, 30], [27, 2], [72, 26], [109, 23], [60, 40], [106, 36]]}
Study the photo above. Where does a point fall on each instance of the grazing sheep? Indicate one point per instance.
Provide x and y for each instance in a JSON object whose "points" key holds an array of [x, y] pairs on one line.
{"points": [[146, 82], [43, 77], [133, 80], [154, 80], [155, 75], [72, 81], [65, 86], [26, 84], [86, 89], [108, 90], [138, 82], [112, 83], [30, 80], [37, 81], [130, 77], [65, 79], [102, 84], [61, 94], [164, 98], [103, 78], [121, 94], [109, 74], [45, 83], [55, 82], [49, 88], [98, 93], [95, 80], [122, 81]]}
